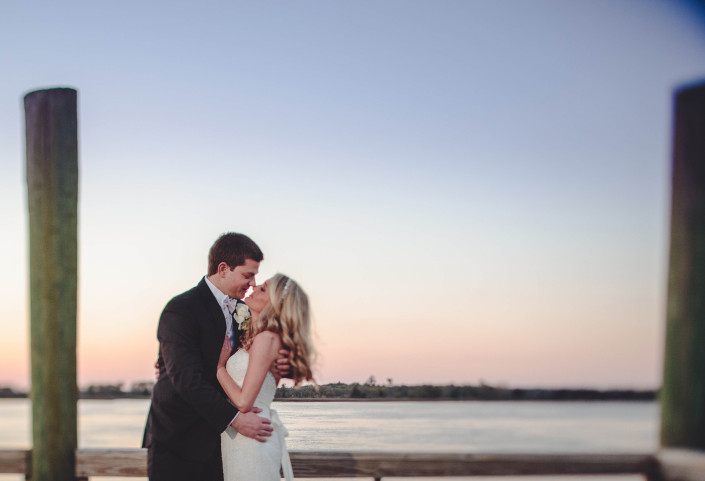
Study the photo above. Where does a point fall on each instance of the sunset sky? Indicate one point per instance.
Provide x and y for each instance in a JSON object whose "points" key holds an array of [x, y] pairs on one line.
{"points": [[468, 190]]}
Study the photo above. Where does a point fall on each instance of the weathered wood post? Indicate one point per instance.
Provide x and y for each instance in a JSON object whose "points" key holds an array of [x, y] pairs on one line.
{"points": [[52, 192], [683, 391]]}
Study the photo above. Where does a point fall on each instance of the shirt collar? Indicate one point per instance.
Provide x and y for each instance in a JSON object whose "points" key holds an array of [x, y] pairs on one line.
{"points": [[219, 295]]}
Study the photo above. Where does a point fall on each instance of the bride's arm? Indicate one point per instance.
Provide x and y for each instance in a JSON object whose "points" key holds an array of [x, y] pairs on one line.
{"points": [[263, 352]]}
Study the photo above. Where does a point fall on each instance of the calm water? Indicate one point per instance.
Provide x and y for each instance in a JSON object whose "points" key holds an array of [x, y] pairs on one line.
{"points": [[464, 427]]}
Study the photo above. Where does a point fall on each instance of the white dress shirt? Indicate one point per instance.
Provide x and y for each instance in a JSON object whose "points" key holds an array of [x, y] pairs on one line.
{"points": [[222, 302]]}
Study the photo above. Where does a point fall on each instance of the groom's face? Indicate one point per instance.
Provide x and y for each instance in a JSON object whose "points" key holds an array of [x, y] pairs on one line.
{"points": [[259, 298], [237, 281]]}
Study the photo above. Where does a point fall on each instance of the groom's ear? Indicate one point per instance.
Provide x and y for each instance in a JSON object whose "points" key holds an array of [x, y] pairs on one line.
{"points": [[223, 268]]}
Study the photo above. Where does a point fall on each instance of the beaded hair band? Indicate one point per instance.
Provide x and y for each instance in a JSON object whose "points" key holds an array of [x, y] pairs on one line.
{"points": [[286, 288]]}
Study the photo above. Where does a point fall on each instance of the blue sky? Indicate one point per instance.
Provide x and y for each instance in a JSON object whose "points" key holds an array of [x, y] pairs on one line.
{"points": [[467, 189]]}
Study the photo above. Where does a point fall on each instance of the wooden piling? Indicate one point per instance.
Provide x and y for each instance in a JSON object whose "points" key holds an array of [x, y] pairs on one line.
{"points": [[52, 192], [683, 391]]}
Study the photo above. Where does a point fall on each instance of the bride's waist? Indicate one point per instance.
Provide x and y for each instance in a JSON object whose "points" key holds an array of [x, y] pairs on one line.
{"points": [[266, 410]]}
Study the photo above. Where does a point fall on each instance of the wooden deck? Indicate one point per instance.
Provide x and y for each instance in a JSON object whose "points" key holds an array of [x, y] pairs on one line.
{"points": [[666, 465]]}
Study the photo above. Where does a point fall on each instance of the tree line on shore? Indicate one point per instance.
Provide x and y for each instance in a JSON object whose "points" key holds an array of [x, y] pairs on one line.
{"points": [[452, 392], [372, 391]]}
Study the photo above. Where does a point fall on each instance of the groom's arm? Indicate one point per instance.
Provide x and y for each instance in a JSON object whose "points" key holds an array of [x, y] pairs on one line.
{"points": [[179, 335]]}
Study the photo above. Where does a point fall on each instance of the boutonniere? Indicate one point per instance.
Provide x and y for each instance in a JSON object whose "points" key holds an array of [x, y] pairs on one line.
{"points": [[242, 316]]}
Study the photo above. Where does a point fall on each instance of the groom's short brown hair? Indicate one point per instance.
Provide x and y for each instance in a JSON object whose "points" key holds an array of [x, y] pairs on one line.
{"points": [[233, 249]]}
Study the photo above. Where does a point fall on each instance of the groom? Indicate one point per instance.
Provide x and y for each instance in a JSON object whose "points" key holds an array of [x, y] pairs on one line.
{"points": [[189, 409]]}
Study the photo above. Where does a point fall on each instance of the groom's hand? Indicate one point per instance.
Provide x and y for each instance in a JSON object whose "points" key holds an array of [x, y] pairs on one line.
{"points": [[251, 425], [158, 368], [281, 367]]}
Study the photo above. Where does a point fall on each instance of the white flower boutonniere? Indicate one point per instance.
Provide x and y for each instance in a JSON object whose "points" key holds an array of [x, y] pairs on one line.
{"points": [[242, 316]]}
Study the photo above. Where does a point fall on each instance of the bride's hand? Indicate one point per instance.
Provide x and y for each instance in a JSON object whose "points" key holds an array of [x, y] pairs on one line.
{"points": [[224, 353]]}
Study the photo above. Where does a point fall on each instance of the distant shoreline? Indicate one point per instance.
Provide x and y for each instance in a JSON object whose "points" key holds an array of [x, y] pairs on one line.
{"points": [[340, 392], [383, 400]]}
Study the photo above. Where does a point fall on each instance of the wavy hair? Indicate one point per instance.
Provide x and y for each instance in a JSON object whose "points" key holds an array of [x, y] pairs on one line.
{"points": [[287, 313]]}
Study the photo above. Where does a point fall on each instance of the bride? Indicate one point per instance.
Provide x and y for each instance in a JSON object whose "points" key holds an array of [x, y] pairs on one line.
{"points": [[280, 318]]}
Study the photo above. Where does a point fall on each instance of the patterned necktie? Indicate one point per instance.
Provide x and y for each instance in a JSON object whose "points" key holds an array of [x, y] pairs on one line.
{"points": [[231, 303]]}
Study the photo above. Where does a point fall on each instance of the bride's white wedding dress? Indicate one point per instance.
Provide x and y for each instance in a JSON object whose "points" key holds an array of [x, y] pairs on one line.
{"points": [[245, 459]]}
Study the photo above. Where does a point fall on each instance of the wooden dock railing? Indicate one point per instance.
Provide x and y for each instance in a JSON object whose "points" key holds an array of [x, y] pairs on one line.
{"points": [[680, 465]]}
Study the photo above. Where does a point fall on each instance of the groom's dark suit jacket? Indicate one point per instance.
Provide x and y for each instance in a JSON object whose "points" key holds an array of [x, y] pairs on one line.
{"points": [[189, 409]]}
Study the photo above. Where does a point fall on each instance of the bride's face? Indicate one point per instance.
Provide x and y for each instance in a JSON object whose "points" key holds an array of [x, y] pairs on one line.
{"points": [[259, 298]]}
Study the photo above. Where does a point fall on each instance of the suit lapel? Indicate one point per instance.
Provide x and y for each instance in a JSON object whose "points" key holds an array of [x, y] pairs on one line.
{"points": [[217, 320]]}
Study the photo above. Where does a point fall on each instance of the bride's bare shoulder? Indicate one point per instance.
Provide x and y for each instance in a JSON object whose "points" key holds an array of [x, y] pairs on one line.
{"points": [[267, 340]]}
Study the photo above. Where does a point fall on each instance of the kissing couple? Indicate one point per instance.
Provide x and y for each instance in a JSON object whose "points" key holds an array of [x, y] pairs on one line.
{"points": [[210, 417]]}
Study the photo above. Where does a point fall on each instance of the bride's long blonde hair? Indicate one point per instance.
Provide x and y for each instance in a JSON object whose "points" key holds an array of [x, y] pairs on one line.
{"points": [[287, 313]]}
